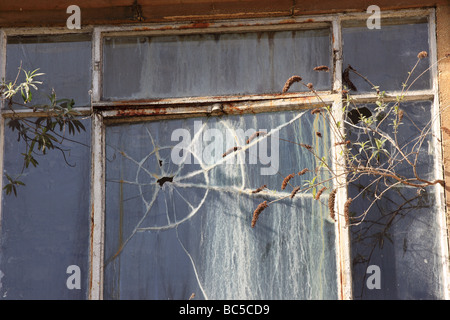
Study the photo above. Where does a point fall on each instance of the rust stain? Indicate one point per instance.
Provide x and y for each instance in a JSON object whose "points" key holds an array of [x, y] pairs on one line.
{"points": [[142, 29], [149, 29], [287, 21], [137, 112], [231, 108], [195, 25], [134, 102]]}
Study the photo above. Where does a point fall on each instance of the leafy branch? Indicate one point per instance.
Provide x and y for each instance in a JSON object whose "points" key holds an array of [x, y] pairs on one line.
{"points": [[54, 122], [377, 157]]}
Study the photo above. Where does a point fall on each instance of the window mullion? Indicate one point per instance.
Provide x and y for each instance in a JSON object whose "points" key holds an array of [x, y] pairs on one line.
{"points": [[97, 207], [437, 147], [96, 65], [97, 177], [342, 232], [2, 120], [337, 54], [2, 59]]}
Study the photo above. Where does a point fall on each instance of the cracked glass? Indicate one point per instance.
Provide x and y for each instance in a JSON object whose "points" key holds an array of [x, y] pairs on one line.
{"points": [[180, 204]]}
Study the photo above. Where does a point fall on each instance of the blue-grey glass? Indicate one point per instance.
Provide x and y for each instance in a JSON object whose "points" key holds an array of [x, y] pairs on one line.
{"points": [[46, 228], [174, 229], [65, 60], [214, 64], [401, 232], [385, 56]]}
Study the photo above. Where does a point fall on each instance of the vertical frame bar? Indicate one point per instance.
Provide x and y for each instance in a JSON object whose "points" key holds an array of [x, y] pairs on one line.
{"points": [[343, 254], [437, 147], [96, 65], [337, 53], [97, 177], [2, 59], [97, 208], [2, 119]]}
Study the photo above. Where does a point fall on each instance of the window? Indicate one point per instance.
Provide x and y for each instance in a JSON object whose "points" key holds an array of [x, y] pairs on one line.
{"points": [[65, 60], [176, 230], [215, 64], [183, 125]]}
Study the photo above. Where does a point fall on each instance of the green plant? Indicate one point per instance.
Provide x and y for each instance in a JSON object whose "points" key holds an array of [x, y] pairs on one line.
{"points": [[53, 123], [376, 160]]}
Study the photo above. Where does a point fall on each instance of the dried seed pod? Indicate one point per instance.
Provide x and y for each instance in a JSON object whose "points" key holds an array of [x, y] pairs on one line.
{"points": [[303, 172], [286, 181], [422, 54], [310, 86], [294, 192], [258, 211], [259, 189], [231, 150], [318, 194], [255, 135], [322, 68], [400, 115], [346, 210], [331, 200], [307, 146], [342, 142], [290, 81]]}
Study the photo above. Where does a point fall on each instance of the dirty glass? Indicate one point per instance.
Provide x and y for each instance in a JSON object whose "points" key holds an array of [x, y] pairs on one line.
{"points": [[179, 209], [385, 56], [401, 232], [45, 229], [213, 64], [65, 60]]}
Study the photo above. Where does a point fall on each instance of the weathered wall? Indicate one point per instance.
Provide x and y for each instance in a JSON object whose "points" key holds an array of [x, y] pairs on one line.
{"points": [[443, 49], [53, 13]]}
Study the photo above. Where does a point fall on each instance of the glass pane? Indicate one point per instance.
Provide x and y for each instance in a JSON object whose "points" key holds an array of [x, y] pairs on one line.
{"points": [[385, 56], [214, 64], [179, 214], [400, 233], [45, 229], [65, 60]]}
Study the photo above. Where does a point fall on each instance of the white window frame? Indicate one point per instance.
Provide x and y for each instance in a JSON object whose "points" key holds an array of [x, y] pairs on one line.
{"points": [[104, 113]]}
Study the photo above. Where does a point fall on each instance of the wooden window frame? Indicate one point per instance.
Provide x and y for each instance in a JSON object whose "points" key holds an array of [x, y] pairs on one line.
{"points": [[106, 112]]}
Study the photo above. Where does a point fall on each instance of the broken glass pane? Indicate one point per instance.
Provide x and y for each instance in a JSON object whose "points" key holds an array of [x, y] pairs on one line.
{"points": [[385, 56], [45, 229], [401, 232], [180, 203], [65, 60], [214, 64]]}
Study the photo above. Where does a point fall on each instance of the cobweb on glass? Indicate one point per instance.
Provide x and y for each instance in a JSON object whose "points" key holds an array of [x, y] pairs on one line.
{"points": [[171, 194]]}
